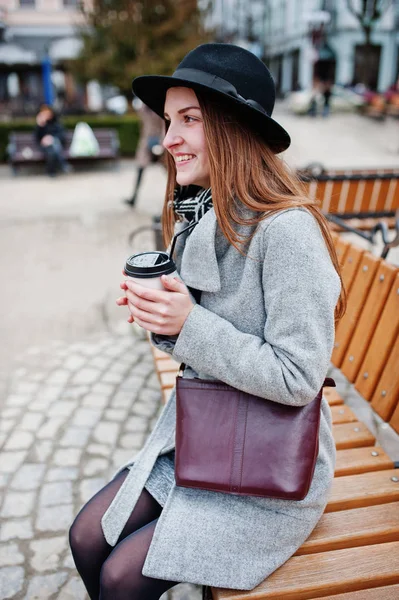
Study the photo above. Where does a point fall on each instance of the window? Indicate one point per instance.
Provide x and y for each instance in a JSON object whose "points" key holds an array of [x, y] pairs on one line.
{"points": [[72, 3], [28, 3]]}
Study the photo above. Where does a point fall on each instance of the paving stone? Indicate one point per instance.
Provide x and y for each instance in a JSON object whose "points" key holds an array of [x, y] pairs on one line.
{"points": [[67, 458], [101, 449], [110, 377], [75, 437], [120, 368], [38, 376], [86, 417], [50, 392], [62, 408], [41, 450], [88, 349], [106, 389], [19, 440], [122, 399], [42, 587], [58, 376], [17, 504], [106, 432], [16, 528], [95, 401], [28, 477], [26, 387], [20, 372], [10, 461], [114, 351], [133, 383], [55, 493], [10, 555], [50, 428], [75, 391], [41, 406], [74, 362], [86, 376], [18, 400], [99, 362], [4, 479], [136, 423], [95, 466], [62, 474], [55, 518], [6, 425], [150, 396], [146, 409], [11, 581], [31, 421], [9, 413], [3, 437], [122, 457], [131, 440], [153, 382], [68, 562], [46, 553], [73, 590], [89, 487], [115, 414]]}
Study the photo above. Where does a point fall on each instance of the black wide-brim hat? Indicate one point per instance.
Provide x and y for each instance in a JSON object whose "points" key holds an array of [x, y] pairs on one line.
{"points": [[232, 74]]}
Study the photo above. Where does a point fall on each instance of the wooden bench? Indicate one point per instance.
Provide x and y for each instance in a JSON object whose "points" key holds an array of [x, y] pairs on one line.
{"points": [[353, 553], [359, 195], [23, 149]]}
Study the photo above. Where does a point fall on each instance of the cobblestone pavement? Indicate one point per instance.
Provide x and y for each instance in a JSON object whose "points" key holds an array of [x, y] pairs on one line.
{"points": [[73, 413]]}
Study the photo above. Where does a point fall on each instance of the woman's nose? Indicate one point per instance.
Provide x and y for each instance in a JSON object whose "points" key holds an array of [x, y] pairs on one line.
{"points": [[172, 138]]}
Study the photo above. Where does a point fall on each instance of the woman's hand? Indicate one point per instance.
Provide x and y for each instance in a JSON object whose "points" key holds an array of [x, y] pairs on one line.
{"points": [[158, 311]]}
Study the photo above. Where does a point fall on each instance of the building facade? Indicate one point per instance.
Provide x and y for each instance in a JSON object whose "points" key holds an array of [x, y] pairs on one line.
{"points": [[30, 30], [303, 39]]}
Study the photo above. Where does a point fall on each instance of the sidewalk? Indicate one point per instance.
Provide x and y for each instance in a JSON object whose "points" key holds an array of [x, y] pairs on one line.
{"points": [[78, 394]]}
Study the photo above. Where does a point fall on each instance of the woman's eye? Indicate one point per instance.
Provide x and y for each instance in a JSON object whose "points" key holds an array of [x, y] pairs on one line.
{"points": [[189, 119]]}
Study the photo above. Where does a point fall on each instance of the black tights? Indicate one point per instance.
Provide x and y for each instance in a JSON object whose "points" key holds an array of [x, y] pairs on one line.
{"points": [[115, 573]]}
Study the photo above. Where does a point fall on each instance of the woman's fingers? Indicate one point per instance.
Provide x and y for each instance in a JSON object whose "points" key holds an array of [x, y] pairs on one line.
{"points": [[122, 301], [146, 317], [141, 303]]}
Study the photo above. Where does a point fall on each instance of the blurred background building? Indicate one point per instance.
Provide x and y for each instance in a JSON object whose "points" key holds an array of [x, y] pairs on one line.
{"points": [[302, 41]]}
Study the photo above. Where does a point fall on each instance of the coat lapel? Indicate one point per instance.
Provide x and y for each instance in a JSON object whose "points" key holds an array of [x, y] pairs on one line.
{"points": [[199, 267]]}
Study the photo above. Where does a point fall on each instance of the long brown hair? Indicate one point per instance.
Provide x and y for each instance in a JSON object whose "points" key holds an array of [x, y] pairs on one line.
{"points": [[243, 166]]}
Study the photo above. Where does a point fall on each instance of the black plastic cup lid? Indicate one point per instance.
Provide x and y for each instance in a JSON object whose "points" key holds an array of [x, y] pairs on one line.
{"points": [[149, 264]]}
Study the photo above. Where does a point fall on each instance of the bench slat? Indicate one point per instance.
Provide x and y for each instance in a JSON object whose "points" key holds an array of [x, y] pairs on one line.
{"points": [[350, 265], [368, 320], [361, 460], [352, 435], [308, 577], [381, 344], [389, 592], [356, 299], [168, 365], [386, 395], [394, 422], [365, 489], [342, 414], [332, 396], [358, 527], [168, 379]]}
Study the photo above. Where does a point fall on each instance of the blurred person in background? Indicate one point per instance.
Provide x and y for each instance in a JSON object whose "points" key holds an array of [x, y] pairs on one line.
{"points": [[50, 137], [149, 148]]}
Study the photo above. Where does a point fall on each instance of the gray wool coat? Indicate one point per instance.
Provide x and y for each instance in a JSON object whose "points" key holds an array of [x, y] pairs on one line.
{"points": [[265, 325]]}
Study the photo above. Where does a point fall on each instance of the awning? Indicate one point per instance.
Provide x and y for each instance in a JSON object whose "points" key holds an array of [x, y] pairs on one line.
{"points": [[65, 49], [12, 54]]}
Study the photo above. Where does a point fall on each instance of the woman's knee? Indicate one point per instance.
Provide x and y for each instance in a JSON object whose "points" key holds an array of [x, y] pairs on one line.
{"points": [[83, 535]]}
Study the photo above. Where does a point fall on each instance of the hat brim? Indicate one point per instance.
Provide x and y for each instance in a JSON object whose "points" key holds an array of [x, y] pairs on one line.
{"points": [[151, 89]]}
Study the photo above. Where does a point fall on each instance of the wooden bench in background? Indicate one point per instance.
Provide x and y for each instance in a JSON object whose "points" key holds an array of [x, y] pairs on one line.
{"points": [[361, 196], [353, 553], [23, 149]]}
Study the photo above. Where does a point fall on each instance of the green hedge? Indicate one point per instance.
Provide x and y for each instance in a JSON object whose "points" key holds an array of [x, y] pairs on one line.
{"points": [[127, 126]]}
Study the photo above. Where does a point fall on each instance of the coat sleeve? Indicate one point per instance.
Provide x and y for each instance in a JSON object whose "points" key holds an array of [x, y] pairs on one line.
{"points": [[300, 288]]}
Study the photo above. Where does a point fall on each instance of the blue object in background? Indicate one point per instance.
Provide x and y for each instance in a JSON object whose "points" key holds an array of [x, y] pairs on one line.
{"points": [[47, 83]]}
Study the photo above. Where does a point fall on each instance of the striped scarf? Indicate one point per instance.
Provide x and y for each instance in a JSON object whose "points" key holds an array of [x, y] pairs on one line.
{"points": [[192, 207]]}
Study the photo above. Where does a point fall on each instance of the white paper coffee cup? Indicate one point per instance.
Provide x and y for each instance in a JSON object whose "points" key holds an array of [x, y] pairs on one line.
{"points": [[147, 268]]}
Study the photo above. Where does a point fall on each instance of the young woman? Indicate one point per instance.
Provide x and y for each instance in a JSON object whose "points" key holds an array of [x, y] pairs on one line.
{"points": [[256, 310]]}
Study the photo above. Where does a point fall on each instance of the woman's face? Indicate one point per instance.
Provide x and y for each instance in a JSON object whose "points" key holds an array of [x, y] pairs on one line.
{"points": [[185, 138]]}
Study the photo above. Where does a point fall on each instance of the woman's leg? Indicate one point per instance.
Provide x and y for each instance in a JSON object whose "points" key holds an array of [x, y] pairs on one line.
{"points": [[121, 577], [88, 545]]}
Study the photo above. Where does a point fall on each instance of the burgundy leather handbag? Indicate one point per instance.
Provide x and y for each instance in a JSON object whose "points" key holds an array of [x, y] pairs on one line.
{"points": [[237, 443]]}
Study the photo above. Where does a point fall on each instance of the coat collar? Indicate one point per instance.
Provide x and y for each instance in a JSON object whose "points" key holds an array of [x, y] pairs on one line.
{"points": [[199, 266]]}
